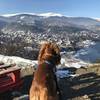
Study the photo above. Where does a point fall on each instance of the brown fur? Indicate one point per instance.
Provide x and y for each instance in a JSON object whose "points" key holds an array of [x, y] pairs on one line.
{"points": [[44, 85]]}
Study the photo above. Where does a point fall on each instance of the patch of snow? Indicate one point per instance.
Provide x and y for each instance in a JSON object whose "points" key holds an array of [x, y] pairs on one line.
{"points": [[50, 14], [62, 73], [65, 73], [62, 61], [22, 17], [19, 21], [28, 48], [17, 60], [76, 64], [98, 19], [23, 63], [73, 62], [88, 43], [10, 15]]}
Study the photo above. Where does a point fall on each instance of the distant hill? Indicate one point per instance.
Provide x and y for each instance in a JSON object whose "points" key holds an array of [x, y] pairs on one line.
{"points": [[44, 20], [21, 31]]}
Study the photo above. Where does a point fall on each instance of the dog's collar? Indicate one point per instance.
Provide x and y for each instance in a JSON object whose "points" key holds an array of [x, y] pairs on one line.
{"points": [[48, 62]]}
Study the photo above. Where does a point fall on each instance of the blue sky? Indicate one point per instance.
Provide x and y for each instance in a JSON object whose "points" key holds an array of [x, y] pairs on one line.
{"points": [[83, 8]]}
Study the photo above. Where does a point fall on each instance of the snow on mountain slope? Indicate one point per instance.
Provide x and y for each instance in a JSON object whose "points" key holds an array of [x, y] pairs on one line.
{"points": [[73, 62], [26, 62], [17, 60], [42, 14], [81, 58], [29, 64], [10, 15], [98, 19], [50, 14]]}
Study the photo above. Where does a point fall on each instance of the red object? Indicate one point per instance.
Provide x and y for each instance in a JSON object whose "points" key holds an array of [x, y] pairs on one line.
{"points": [[10, 78]]}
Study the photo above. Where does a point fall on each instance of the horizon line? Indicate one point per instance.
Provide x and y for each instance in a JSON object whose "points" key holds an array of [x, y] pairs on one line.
{"points": [[43, 14]]}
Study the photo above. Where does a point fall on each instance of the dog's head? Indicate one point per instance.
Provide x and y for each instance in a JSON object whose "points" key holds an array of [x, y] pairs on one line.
{"points": [[50, 52]]}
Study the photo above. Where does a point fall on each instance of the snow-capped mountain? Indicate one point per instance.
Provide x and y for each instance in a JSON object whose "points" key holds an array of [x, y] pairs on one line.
{"points": [[50, 14], [45, 20], [98, 19], [41, 14], [55, 16], [26, 30]]}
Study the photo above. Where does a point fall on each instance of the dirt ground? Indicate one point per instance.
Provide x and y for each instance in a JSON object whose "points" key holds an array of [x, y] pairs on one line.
{"points": [[85, 86]]}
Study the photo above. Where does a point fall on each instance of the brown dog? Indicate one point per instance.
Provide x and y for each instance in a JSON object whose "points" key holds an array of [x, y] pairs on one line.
{"points": [[44, 85]]}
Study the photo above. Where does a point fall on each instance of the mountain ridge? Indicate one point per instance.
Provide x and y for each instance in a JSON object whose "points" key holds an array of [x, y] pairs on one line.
{"points": [[31, 17], [41, 14]]}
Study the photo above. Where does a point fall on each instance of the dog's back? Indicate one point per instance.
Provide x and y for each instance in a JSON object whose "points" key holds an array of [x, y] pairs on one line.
{"points": [[43, 86]]}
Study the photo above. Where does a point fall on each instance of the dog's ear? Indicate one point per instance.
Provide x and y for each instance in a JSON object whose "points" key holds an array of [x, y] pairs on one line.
{"points": [[44, 51], [58, 59], [57, 53]]}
